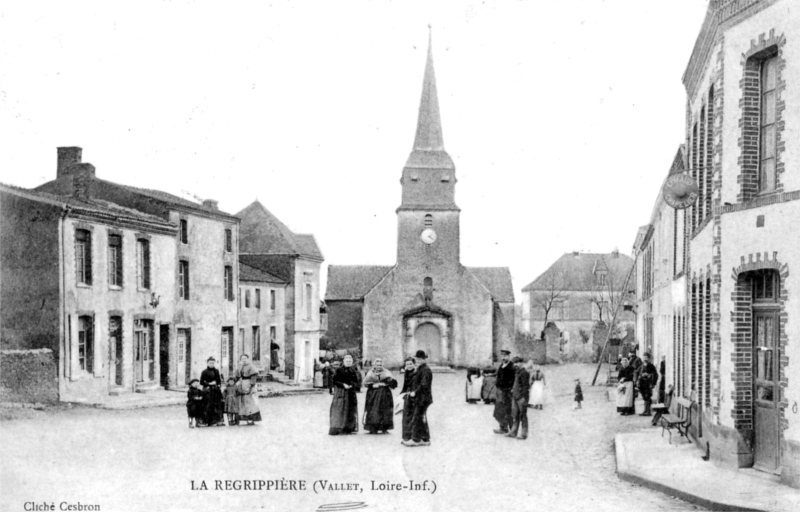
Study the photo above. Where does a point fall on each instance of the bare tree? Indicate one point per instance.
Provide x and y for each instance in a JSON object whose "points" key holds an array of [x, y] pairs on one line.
{"points": [[608, 294], [552, 288]]}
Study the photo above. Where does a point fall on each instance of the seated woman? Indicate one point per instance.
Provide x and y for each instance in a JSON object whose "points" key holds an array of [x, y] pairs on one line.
{"points": [[344, 406], [195, 404], [625, 389], [379, 404], [246, 391]]}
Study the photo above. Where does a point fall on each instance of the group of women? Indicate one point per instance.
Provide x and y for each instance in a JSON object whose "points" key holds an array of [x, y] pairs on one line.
{"points": [[481, 385], [207, 404]]}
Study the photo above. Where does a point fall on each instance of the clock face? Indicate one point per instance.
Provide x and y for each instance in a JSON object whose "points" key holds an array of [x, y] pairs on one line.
{"points": [[428, 236]]}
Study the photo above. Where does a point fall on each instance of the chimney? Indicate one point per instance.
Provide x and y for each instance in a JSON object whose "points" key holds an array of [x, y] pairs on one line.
{"points": [[82, 177], [211, 204], [615, 253], [576, 254], [67, 157]]}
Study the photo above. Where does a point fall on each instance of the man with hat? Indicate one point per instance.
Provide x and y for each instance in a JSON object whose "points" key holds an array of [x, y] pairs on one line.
{"points": [[635, 362], [520, 394], [211, 380], [421, 398], [647, 378], [505, 381]]}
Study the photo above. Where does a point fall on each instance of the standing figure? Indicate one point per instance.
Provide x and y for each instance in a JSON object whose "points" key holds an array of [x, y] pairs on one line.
{"points": [[273, 355], [625, 390], [662, 382], [246, 391], [422, 398], [636, 364], [474, 385], [334, 365], [505, 381], [408, 402], [647, 378], [194, 404], [379, 404], [344, 406], [537, 386], [489, 386], [520, 393], [578, 394], [231, 402], [211, 380]]}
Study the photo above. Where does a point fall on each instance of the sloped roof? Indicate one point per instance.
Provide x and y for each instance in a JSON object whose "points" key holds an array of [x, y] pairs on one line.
{"points": [[577, 272], [248, 273], [88, 205], [261, 232], [497, 280], [353, 282]]}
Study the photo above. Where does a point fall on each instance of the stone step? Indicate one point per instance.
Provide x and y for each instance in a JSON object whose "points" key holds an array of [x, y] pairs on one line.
{"points": [[149, 388]]}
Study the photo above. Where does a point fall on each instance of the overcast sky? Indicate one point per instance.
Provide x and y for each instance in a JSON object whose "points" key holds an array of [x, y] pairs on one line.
{"points": [[562, 117]]}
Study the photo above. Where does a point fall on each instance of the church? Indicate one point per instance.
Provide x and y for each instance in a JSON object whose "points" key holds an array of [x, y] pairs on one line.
{"points": [[460, 316]]}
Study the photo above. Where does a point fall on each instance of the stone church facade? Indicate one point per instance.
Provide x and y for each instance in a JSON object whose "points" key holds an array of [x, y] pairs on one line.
{"points": [[428, 300]]}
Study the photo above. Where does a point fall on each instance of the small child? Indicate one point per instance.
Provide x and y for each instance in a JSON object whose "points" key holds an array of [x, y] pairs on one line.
{"points": [[194, 403], [578, 394], [231, 402]]}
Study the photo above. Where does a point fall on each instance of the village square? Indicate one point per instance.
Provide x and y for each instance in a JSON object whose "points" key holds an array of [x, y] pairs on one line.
{"points": [[161, 351]]}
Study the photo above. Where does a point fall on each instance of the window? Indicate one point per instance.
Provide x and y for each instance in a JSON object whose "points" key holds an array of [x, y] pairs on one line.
{"points": [[228, 240], [601, 278], [143, 264], [85, 344], [183, 279], [228, 285], [181, 345], [184, 231], [768, 140], [308, 304], [272, 300], [765, 285], [83, 256], [115, 260], [428, 220], [256, 343], [247, 298], [258, 298]]}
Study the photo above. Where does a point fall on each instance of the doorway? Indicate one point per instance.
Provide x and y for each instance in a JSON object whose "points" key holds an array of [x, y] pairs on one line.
{"points": [[428, 337], [115, 350], [163, 354], [766, 376], [184, 342]]}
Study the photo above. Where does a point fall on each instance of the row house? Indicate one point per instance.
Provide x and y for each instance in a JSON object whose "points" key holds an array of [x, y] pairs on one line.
{"points": [[81, 317], [733, 345], [269, 246]]}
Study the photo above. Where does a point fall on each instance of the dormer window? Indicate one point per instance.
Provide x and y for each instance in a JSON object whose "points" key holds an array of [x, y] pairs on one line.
{"points": [[428, 220], [445, 178], [415, 177]]}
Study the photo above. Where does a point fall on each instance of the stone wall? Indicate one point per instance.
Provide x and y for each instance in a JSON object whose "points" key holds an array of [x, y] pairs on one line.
{"points": [[28, 376]]}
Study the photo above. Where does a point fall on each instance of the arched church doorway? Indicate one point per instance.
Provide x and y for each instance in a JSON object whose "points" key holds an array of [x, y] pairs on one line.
{"points": [[428, 337]]}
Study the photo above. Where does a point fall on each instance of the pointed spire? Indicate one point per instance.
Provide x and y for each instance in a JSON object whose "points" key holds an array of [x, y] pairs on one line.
{"points": [[429, 124]]}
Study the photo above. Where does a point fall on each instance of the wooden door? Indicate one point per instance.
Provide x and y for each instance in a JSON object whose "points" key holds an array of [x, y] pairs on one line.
{"points": [[184, 366], [766, 373], [139, 346], [115, 350], [163, 354], [429, 338]]}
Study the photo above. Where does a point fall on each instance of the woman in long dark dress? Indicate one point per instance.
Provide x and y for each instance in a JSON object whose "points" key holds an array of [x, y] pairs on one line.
{"points": [[344, 406], [379, 404], [246, 391], [408, 408], [625, 389], [211, 380]]}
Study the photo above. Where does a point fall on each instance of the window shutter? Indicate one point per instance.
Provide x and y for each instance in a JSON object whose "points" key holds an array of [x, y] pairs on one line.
{"points": [[88, 264], [186, 280], [146, 264]]}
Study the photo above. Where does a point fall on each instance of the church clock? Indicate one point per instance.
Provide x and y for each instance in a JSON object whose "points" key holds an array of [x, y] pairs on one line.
{"points": [[428, 236]]}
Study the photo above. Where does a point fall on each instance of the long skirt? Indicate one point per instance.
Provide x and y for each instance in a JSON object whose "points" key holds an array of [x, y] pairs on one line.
{"points": [[474, 386], [502, 409], [214, 406], [625, 398], [379, 410], [537, 392], [344, 412], [248, 408]]}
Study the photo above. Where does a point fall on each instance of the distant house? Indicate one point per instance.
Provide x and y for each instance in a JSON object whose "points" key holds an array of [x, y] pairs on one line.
{"points": [[205, 265], [576, 292], [268, 245], [88, 295]]}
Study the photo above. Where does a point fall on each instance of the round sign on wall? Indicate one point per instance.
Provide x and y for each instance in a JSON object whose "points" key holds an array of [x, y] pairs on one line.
{"points": [[680, 191]]}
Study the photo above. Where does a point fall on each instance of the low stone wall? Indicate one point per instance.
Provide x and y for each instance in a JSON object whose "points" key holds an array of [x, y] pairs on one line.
{"points": [[29, 376]]}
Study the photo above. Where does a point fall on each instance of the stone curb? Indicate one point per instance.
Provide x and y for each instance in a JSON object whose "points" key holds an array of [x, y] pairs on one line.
{"points": [[625, 473]]}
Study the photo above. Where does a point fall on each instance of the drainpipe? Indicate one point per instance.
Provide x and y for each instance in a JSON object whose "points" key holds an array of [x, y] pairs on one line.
{"points": [[64, 356]]}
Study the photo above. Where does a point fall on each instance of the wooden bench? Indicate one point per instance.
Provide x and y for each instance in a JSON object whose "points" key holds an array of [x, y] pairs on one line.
{"points": [[682, 422]]}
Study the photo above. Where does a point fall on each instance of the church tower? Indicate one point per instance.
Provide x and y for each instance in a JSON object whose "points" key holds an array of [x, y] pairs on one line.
{"points": [[428, 218]]}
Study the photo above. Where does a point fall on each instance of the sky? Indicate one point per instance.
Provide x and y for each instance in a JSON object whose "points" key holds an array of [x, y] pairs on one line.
{"points": [[562, 118]]}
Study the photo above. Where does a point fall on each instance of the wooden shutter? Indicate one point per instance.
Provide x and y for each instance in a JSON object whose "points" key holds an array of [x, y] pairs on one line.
{"points": [[146, 263]]}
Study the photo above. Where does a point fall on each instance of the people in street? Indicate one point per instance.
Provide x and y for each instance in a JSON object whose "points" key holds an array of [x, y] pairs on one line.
{"points": [[636, 364], [344, 406], [195, 404], [505, 381], [274, 362], [625, 389], [647, 379], [379, 404], [422, 397], [662, 381], [520, 394], [538, 384], [211, 381], [231, 402], [408, 402], [474, 385], [578, 394], [334, 365], [246, 378], [489, 386]]}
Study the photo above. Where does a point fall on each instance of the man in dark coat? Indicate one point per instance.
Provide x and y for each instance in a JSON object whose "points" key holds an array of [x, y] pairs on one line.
{"points": [[647, 378], [520, 394], [636, 364], [505, 381], [211, 380], [662, 384], [408, 402], [422, 398]]}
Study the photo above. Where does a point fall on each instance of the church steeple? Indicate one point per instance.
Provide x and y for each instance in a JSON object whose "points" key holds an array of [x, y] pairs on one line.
{"points": [[428, 151]]}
